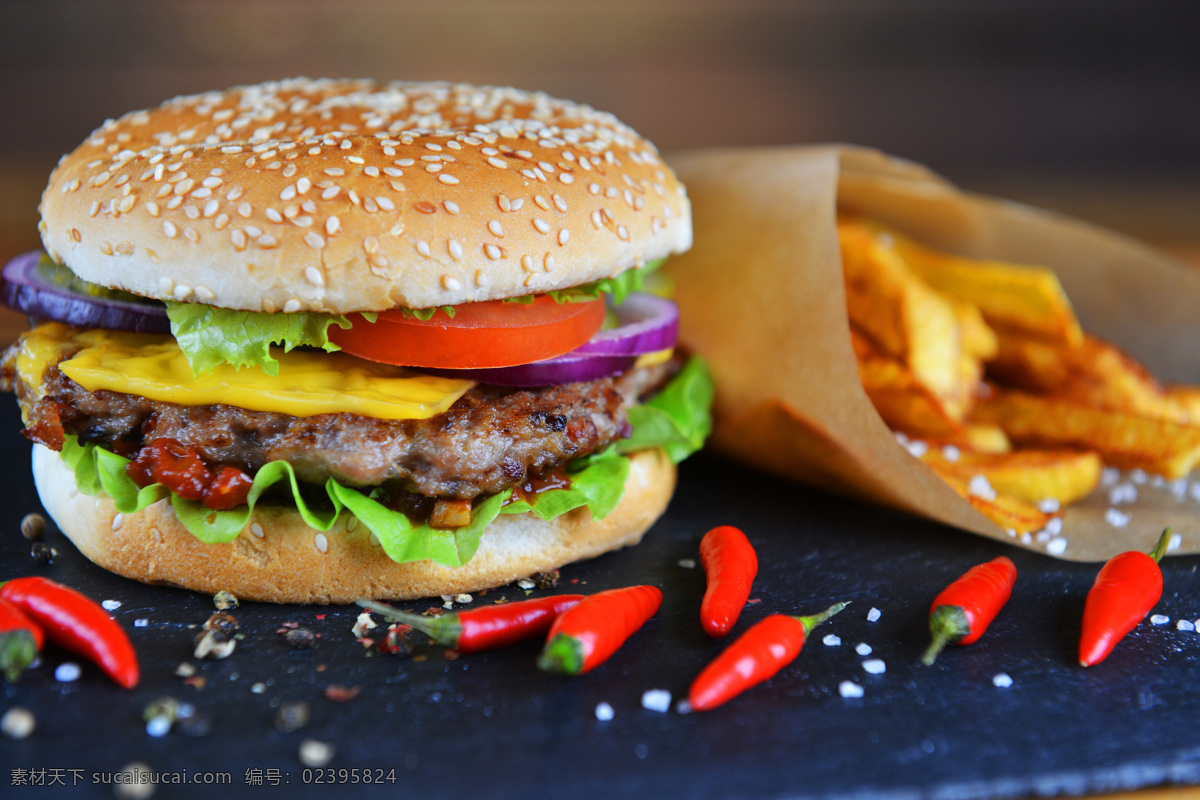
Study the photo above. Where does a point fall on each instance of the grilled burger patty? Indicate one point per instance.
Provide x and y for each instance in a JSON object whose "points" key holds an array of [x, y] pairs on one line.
{"points": [[492, 438]]}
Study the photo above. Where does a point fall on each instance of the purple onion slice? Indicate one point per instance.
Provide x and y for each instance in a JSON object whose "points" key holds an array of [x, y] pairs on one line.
{"points": [[648, 324], [26, 286]]}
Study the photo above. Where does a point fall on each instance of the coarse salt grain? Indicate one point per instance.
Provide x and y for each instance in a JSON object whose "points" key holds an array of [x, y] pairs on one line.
{"points": [[158, 726], [1049, 504], [110, 605], [1002, 680], [875, 666], [850, 689], [1174, 542], [1056, 547], [1159, 619], [863, 649], [687, 563], [1110, 476], [831, 640], [1117, 518], [67, 671], [979, 486], [141, 623], [1122, 493], [656, 700], [951, 453], [874, 614], [604, 712], [1185, 625]]}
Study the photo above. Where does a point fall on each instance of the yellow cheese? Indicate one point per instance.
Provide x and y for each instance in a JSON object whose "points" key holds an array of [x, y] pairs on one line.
{"points": [[308, 383]]}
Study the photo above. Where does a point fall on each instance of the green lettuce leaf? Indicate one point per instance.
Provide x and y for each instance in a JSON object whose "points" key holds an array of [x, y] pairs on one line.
{"points": [[676, 419], [210, 336]]}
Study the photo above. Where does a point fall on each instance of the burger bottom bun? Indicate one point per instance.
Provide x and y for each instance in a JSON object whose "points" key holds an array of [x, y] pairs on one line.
{"points": [[293, 563]]}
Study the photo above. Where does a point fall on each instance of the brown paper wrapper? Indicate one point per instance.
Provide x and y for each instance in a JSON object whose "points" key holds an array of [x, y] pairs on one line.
{"points": [[761, 297]]}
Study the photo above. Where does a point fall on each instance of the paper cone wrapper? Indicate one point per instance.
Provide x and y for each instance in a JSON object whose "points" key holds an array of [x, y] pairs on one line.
{"points": [[761, 297]]}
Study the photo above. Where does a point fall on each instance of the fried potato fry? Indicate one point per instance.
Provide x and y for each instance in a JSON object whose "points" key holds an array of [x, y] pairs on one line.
{"points": [[1123, 439], [1023, 298], [1006, 511], [904, 317], [1095, 373], [904, 402], [1029, 475]]}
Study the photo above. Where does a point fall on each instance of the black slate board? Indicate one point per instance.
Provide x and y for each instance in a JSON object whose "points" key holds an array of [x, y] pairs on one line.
{"points": [[493, 726]]}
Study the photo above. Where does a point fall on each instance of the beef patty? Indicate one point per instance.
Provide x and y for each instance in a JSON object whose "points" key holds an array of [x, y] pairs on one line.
{"points": [[492, 438]]}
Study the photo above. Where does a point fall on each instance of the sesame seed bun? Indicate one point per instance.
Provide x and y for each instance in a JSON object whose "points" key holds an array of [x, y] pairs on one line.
{"points": [[278, 558], [344, 196]]}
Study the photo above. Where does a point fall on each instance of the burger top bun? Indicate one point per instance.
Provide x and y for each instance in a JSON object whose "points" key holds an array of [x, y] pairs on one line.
{"points": [[340, 196]]}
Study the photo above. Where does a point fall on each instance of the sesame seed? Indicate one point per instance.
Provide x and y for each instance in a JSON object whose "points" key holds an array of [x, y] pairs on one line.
{"points": [[314, 240], [191, 235], [331, 192], [313, 275], [377, 260], [448, 179], [169, 229], [334, 172], [303, 185], [221, 221], [527, 263], [496, 228], [450, 284], [210, 208], [566, 177], [560, 203], [493, 252], [244, 209], [288, 193], [291, 306], [541, 225], [423, 249], [450, 206], [331, 225], [267, 241], [548, 263], [370, 205], [106, 248], [563, 236], [542, 202], [204, 293], [181, 291], [370, 244], [498, 163], [385, 204], [623, 232], [238, 238], [273, 215], [481, 278]]}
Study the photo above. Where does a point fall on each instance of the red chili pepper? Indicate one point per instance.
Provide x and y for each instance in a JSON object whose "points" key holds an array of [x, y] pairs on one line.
{"points": [[76, 623], [730, 565], [485, 628], [585, 636], [965, 608], [20, 640], [767, 647], [1125, 590]]}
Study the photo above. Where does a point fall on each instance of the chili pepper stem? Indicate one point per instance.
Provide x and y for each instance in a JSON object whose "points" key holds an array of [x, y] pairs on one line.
{"points": [[1160, 549], [948, 624], [563, 655], [17, 651], [445, 630], [814, 620]]}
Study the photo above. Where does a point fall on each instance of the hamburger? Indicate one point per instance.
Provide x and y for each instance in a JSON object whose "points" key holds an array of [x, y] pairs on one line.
{"points": [[314, 340]]}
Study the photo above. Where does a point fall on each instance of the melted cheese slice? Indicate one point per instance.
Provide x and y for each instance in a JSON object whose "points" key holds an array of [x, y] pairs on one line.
{"points": [[308, 383]]}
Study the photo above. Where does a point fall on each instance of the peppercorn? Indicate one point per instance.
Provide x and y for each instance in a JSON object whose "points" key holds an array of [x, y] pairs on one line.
{"points": [[224, 601], [300, 638], [546, 580], [42, 553], [33, 526]]}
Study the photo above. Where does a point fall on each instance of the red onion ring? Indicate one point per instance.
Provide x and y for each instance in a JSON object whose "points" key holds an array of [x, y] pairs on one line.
{"points": [[23, 289], [649, 324]]}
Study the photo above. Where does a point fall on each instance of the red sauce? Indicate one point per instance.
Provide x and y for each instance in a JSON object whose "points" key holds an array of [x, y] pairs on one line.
{"points": [[182, 470]]}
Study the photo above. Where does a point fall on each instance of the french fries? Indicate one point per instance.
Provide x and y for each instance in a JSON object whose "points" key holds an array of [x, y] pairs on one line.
{"points": [[986, 363]]}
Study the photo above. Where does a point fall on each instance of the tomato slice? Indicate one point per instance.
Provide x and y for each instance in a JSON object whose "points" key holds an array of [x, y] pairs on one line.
{"points": [[488, 334]]}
